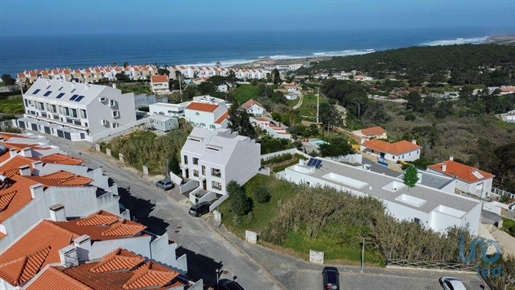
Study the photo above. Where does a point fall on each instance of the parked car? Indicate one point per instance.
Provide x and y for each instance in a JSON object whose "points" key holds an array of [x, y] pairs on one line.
{"points": [[165, 184], [331, 278], [226, 284], [200, 208], [451, 283]]}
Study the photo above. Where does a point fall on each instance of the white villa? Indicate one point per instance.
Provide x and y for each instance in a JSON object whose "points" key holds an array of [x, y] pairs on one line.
{"points": [[210, 115], [214, 158], [402, 150], [430, 207], [75, 111], [159, 84], [253, 108]]}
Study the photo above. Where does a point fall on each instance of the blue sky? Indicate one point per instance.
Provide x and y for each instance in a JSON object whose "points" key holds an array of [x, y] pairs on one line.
{"points": [[28, 17]]}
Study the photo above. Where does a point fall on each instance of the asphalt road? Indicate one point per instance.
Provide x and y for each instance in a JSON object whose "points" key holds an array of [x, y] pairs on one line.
{"points": [[159, 211]]}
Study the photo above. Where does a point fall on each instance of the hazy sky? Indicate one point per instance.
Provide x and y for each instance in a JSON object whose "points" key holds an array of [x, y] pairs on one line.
{"points": [[22, 17]]}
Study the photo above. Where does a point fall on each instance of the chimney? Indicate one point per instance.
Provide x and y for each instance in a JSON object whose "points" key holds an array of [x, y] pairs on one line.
{"points": [[83, 247], [414, 141], [68, 256], [25, 170], [57, 213], [26, 152], [12, 151], [36, 189], [444, 167], [451, 158], [37, 166]]}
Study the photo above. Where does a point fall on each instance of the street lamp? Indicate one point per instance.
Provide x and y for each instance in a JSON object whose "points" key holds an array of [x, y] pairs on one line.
{"points": [[363, 255], [217, 272]]}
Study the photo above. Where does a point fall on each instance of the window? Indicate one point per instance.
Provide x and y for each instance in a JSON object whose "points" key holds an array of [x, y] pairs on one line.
{"points": [[26, 102], [203, 170], [185, 160], [60, 95], [115, 125], [116, 114], [36, 91], [197, 114], [66, 111], [216, 185], [195, 173], [74, 113], [83, 114], [112, 103], [79, 98], [216, 172], [47, 93], [73, 97], [416, 220], [212, 127], [195, 161]]}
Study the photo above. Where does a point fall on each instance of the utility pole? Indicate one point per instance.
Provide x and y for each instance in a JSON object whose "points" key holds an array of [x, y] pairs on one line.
{"points": [[318, 104]]}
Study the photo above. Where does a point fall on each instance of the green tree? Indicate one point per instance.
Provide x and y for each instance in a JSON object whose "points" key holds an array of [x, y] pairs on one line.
{"points": [[337, 146], [163, 71], [206, 88], [414, 101], [173, 165], [276, 77], [241, 204], [262, 194], [239, 121], [410, 177], [8, 80], [329, 116], [122, 77]]}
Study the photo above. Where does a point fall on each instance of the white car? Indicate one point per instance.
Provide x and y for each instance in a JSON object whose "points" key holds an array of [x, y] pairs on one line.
{"points": [[451, 283]]}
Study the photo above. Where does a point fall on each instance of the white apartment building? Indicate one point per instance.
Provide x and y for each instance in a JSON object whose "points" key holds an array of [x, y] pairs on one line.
{"points": [[160, 84], [430, 207], [75, 111], [166, 109], [214, 158], [209, 115]]}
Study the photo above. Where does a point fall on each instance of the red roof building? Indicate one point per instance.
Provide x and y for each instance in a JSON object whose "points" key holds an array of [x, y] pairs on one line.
{"points": [[402, 150]]}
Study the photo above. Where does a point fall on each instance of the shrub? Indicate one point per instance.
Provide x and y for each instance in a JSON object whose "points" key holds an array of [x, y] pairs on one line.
{"points": [[410, 117], [236, 220], [262, 194], [508, 226]]}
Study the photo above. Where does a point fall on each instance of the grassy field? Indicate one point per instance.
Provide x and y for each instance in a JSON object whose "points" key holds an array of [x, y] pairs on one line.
{"points": [[12, 106], [245, 93], [309, 105], [345, 250]]}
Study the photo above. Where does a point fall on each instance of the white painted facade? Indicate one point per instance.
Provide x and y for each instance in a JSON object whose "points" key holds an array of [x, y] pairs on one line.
{"points": [[170, 110], [75, 111], [206, 118], [214, 158], [435, 209]]}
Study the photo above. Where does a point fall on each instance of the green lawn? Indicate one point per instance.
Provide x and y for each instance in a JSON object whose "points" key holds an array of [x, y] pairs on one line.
{"points": [[12, 106], [245, 92], [345, 249], [309, 105]]}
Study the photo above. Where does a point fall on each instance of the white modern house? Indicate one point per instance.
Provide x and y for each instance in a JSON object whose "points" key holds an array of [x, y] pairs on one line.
{"points": [[399, 151], [376, 132], [210, 115], [166, 109], [468, 179], [75, 111], [159, 84], [430, 207], [270, 127], [214, 158], [253, 108]]}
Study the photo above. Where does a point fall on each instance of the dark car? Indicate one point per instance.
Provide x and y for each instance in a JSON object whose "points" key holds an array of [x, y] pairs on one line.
{"points": [[200, 208], [165, 184], [331, 278], [226, 284]]}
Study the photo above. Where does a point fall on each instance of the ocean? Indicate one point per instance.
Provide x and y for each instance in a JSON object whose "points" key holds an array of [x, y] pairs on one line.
{"points": [[19, 53]]}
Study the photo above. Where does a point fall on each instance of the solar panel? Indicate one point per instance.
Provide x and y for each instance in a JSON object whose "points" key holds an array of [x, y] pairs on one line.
{"points": [[73, 97], [310, 162], [79, 98], [318, 164], [47, 93], [60, 96]]}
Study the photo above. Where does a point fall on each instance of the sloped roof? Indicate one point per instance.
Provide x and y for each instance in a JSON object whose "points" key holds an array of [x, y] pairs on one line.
{"points": [[396, 148], [159, 79], [15, 196], [61, 178], [202, 107], [461, 171], [250, 103], [376, 131], [222, 118], [21, 270], [58, 158], [120, 269]]}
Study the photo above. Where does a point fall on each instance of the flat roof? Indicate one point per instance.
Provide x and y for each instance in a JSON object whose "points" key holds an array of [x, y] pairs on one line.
{"points": [[375, 183]]}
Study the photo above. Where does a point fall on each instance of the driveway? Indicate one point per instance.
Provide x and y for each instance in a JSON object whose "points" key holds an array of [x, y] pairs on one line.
{"points": [[167, 211]]}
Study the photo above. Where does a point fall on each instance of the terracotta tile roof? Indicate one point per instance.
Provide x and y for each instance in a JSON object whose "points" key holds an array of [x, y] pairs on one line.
{"points": [[508, 89], [21, 197], [375, 131], [58, 158], [61, 178], [119, 275], [250, 103], [124, 228], [286, 85], [52, 277], [100, 218], [16, 162], [159, 79], [222, 118], [21, 75], [119, 259], [22, 269], [202, 107], [66, 71], [461, 171], [396, 148]]}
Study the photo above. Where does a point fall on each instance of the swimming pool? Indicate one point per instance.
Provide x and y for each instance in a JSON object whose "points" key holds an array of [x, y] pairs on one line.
{"points": [[318, 142]]}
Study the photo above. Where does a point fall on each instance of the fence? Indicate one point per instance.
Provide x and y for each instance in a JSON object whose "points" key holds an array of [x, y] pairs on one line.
{"points": [[290, 151], [432, 265], [502, 192]]}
